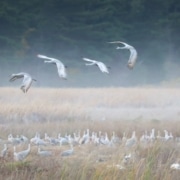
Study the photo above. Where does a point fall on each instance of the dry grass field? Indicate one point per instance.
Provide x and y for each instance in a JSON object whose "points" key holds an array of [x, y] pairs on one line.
{"points": [[69, 110]]}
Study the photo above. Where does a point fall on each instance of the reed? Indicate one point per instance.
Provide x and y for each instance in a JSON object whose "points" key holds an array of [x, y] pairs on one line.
{"points": [[70, 110]]}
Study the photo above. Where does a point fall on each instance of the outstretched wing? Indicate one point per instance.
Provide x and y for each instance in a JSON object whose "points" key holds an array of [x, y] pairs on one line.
{"points": [[51, 59], [46, 57], [42, 56], [89, 60], [119, 42], [115, 42], [16, 76]]}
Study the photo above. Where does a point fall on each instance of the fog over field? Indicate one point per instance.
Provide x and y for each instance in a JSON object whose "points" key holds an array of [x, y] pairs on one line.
{"points": [[126, 94], [47, 104], [80, 75]]}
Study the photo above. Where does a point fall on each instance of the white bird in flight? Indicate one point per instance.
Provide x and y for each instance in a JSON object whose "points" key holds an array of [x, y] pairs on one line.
{"points": [[27, 80], [60, 66], [101, 65], [133, 53]]}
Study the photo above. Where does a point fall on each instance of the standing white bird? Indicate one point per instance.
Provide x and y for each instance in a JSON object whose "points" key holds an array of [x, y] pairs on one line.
{"points": [[24, 139], [131, 141], [133, 53], [19, 156], [115, 139], [4, 151], [175, 166], [60, 66], [43, 153], [27, 80], [68, 152], [62, 140], [127, 158], [103, 68], [14, 140], [53, 141]]}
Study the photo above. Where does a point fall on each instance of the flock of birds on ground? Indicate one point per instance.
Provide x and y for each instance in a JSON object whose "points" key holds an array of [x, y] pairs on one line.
{"points": [[94, 138], [61, 68]]}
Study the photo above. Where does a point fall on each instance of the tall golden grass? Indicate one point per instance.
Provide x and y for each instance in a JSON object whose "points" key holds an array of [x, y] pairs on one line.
{"points": [[71, 110]]}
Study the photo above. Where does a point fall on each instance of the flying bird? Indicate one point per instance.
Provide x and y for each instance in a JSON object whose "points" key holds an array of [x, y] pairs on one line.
{"points": [[133, 53], [103, 68], [27, 80], [60, 66]]}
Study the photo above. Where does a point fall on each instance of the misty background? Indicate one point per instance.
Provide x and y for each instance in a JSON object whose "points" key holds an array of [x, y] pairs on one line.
{"points": [[69, 30]]}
